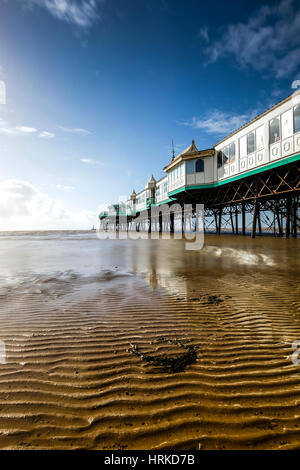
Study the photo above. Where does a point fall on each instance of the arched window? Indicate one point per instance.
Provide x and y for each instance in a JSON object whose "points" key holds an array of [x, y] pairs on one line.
{"points": [[274, 130], [225, 155], [232, 152], [250, 142], [199, 165], [297, 118]]}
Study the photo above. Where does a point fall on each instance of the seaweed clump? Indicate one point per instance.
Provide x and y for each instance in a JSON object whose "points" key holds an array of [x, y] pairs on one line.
{"points": [[169, 364], [214, 300]]}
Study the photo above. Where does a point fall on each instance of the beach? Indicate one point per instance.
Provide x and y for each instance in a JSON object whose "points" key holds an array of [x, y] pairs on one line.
{"points": [[141, 344]]}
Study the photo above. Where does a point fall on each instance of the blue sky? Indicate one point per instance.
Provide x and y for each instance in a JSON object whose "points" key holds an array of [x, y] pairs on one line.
{"points": [[96, 90]]}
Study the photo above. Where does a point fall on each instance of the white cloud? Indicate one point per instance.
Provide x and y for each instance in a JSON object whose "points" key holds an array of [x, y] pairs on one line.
{"points": [[26, 129], [269, 41], [219, 122], [46, 135], [5, 129], [89, 161], [74, 130], [82, 13], [24, 207], [8, 129]]}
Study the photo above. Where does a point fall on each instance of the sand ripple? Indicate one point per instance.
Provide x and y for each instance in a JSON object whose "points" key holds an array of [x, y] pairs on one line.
{"points": [[70, 381]]}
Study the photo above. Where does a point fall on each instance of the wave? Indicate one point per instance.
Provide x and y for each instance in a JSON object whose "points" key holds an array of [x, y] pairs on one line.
{"points": [[239, 255], [58, 282]]}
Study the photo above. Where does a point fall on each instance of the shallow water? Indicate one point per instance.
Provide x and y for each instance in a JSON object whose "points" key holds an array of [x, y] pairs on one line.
{"points": [[72, 307]]}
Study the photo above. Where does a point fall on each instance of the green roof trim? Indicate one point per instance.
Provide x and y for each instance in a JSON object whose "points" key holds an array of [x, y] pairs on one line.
{"points": [[163, 202], [261, 169]]}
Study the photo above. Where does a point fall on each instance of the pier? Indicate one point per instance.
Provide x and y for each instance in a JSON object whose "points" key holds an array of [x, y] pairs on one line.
{"points": [[248, 183]]}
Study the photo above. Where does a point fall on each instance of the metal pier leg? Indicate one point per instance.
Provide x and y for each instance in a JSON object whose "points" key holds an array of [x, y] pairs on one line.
{"points": [[231, 220], [216, 222], [253, 233], [288, 218], [220, 221], [295, 219], [258, 219], [149, 220], [172, 222], [279, 222], [160, 222], [182, 221], [243, 219]]}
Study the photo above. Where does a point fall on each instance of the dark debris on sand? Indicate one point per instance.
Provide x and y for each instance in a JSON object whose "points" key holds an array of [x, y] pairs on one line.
{"points": [[166, 363], [209, 300]]}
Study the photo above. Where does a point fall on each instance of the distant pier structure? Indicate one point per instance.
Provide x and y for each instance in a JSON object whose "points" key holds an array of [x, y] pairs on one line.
{"points": [[249, 182]]}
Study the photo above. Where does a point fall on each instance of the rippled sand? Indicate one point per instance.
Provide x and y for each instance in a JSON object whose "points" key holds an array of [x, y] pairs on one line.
{"points": [[73, 308]]}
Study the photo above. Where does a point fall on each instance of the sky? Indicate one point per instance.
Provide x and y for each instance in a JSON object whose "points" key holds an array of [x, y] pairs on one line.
{"points": [[92, 92]]}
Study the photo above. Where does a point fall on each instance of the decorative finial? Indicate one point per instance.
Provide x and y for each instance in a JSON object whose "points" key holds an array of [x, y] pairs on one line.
{"points": [[173, 151]]}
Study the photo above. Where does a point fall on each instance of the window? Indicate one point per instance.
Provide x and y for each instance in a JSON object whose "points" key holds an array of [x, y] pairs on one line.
{"points": [[225, 153], [220, 159], [158, 190], [260, 141], [165, 187], [232, 152], [297, 118], [199, 165], [141, 199], [190, 167], [274, 127], [287, 124], [250, 142], [243, 147]]}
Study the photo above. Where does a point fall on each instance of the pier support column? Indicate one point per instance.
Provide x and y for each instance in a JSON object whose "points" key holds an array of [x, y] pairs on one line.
{"points": [[231, 220], [149, 220], [220, 221], [216, 221], [160, 222], [295, 218], [243, 219], [172, 222], [258, 219], [279, 222], [288, 218], [253, 233], [236, 221]]}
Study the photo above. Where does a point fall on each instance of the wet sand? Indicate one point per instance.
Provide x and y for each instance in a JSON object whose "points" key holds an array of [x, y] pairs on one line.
{"points": [[74, 309]]}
